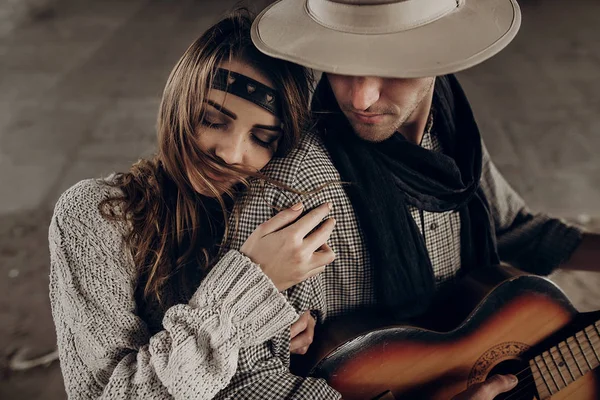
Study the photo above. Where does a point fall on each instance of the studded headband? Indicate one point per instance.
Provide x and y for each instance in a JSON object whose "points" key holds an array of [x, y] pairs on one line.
{"points": [[247, 88]]}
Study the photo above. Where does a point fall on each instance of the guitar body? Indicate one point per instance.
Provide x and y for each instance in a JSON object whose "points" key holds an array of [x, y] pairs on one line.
{"points": [[489, 324]]}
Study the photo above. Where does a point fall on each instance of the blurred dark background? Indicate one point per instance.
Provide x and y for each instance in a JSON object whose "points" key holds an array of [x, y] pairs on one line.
{"points": [[80, 83]]}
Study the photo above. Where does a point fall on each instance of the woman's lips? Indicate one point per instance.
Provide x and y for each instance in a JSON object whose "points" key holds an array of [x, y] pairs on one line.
{"points": [[216, 178]]}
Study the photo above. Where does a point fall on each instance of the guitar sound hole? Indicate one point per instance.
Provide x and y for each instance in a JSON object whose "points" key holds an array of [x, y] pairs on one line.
{"points": [[525, 390]]}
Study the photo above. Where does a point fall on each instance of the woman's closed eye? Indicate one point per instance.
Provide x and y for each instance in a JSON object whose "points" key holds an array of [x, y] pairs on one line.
{"points": [[256, 139], [268, 144], [266, 136], [213, 124]]}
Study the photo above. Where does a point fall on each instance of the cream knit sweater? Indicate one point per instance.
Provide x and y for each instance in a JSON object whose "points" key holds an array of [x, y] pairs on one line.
{"points": [[105, 349]]}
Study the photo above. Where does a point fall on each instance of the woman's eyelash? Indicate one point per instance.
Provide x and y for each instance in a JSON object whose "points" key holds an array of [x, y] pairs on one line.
{"points": [[219, 126], [213, 125], [259, 142]]}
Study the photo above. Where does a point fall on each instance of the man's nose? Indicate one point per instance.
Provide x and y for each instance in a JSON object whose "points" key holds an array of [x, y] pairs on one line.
{"points": [[365, 92], [231, 149]]}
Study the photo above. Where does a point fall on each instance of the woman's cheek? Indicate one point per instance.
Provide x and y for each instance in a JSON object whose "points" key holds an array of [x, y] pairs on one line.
{"points": [[267, 155]]}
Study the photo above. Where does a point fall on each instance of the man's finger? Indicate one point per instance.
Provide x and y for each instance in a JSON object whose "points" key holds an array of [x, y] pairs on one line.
{"points": [[499, 384]]}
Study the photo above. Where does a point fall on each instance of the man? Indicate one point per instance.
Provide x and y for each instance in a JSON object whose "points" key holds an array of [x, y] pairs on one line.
{"points": [[424, 202]]}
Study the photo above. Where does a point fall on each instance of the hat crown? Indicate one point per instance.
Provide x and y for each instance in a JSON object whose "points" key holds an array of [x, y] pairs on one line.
{"points": [[378, 16]]}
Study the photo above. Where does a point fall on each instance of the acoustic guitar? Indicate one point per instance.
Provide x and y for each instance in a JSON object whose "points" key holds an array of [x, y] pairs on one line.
{"points": [[494, 321]]}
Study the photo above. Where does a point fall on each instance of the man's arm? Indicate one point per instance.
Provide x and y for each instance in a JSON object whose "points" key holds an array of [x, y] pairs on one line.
{"points": [[263, 373], [535, 243], [263, 370], [586, 256]]}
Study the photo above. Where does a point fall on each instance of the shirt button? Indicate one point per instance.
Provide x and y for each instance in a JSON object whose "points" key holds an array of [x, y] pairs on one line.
{"points": [[433, 226]]}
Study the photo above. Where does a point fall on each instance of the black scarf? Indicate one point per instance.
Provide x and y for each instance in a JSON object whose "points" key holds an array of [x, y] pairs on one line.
{"points": [[385, 178]]}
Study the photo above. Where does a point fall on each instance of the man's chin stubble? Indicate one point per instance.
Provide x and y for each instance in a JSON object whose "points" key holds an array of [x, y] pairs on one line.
{"points": [[373, 133]]}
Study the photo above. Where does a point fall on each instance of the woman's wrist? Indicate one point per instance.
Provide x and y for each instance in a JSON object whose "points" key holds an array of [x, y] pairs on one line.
{"points": [[238, 288]]}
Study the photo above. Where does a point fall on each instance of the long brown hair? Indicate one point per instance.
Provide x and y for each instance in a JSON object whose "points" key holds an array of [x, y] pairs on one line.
{"points": [[158, 200]]}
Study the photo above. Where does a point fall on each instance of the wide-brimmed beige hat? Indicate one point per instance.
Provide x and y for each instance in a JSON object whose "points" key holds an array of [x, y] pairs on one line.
{"points": [[386, 38]]}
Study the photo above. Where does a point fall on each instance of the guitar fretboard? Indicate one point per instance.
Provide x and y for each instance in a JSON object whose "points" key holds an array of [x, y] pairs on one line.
{"points": [[555, 369]]}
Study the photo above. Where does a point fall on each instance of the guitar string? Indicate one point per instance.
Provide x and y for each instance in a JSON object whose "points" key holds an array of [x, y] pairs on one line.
{"points": [[585, 354], [527, 395], [528, 374], [520, 392], [522, 388], [566, 363], [533, 382]]}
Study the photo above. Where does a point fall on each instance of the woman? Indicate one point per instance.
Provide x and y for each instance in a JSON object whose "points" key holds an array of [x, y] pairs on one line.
{"points": [[144, 304]]}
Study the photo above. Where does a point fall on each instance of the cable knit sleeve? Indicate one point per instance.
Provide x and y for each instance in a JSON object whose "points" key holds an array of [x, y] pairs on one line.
{"points": [[105, 349]]}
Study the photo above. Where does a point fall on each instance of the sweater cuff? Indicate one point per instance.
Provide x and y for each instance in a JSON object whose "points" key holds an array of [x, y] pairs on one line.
{"points": [[246, 296]]}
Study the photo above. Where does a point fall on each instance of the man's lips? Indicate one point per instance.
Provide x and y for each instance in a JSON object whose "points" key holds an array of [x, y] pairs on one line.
{"points": [[367, 118]]}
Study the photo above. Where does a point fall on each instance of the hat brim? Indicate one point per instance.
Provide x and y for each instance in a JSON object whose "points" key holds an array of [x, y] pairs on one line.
{"points": [[466, 37]]}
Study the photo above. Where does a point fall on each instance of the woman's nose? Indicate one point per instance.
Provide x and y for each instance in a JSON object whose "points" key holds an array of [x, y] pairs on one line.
{"points": [[231, 149], [365, 92]]}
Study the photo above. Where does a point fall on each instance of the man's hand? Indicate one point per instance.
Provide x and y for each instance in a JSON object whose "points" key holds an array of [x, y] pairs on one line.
{"points": [[302, 333], [586, 256], [489, 389]]}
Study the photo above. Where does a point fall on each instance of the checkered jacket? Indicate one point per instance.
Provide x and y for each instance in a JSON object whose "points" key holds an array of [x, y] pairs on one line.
{"points": [[534, 242]]}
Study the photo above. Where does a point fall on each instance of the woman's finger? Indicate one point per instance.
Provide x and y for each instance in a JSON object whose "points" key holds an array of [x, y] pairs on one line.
{"points": [[297, 343], [312, 322], [304, 339], [281, 219], [307, 223], [320, 235], [300, 325], [322, 257]]}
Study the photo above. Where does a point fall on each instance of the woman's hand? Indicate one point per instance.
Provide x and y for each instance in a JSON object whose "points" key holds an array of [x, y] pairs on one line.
{"points": [[302, 333], [285, 250], [489, 389]]}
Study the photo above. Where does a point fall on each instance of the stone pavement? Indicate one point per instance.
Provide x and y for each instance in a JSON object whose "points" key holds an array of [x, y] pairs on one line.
{"points": [[79, 90]]}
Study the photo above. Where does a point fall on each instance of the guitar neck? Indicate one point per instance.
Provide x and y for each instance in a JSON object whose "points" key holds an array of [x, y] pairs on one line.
{"points": [[569, 360]]}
